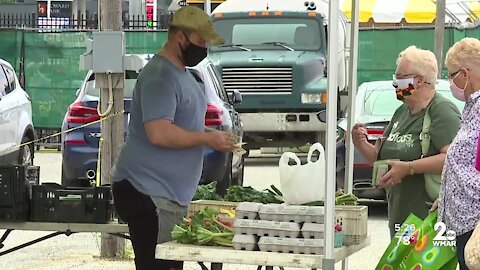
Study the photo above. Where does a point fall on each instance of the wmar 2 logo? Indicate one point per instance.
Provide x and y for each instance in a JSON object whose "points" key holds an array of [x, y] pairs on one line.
{"points": [[410, 235], [444, 238]]}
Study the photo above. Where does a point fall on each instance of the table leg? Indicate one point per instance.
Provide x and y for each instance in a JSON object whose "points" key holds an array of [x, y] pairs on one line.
{"points": [[216, 266], [268, 267]]}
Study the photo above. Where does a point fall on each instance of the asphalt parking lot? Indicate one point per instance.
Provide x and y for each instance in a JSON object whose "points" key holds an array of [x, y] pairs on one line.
{"points": [[81, 251]]}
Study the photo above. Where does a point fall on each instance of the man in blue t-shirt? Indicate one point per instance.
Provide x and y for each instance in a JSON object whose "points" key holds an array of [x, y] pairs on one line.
{"points": [[160, 165]]}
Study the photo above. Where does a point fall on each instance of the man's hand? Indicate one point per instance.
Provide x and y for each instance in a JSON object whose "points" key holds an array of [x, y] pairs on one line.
{"points": [[398, 171], [359, 134], [220, 141]]}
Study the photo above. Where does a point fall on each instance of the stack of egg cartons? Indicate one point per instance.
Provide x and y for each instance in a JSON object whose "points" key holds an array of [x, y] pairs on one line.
{"points": [[279, 228]]}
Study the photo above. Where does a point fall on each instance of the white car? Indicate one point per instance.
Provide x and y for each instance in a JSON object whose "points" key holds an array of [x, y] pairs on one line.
{"points": [[16, 125]]}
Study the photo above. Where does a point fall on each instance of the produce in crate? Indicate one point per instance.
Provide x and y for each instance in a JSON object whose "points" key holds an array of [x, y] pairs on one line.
{"points": [[204, 228], [341, 198]]}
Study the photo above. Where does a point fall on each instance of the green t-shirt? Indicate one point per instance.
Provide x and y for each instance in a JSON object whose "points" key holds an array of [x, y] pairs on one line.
{"points": [[402, 141]]}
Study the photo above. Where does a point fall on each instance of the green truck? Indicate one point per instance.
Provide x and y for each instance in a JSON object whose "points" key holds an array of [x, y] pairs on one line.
{"points": [[275, 55]]}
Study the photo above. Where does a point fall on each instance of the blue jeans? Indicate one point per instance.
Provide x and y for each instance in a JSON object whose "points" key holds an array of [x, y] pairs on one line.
{"points": [[461, 243]]}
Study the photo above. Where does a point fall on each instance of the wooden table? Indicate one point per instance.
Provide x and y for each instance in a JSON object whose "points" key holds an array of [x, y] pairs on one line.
{"points": [[220, 255], [67, 229]]}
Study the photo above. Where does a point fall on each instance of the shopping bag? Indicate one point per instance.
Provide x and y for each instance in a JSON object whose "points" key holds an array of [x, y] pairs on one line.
{"points": [[400, 246], [427, 253], [472, 249], [305, 183]]}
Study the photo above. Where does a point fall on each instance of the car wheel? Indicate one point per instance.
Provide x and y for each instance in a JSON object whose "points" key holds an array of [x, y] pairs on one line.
{"points": [[238, 180], [25, 156], [226, 182]]}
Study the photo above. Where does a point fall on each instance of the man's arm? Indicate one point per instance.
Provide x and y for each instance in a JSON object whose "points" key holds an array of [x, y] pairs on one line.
{"points": [[164, 133]]}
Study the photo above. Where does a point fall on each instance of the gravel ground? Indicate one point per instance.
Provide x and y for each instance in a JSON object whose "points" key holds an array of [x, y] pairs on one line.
{"points": [[81, 251]]}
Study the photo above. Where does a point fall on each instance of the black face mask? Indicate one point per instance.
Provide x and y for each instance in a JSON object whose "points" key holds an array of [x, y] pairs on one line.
{"points": [[193, 54]]}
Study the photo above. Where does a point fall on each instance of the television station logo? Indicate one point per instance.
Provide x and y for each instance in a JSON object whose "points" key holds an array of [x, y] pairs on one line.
{"points": [[411, 235]]}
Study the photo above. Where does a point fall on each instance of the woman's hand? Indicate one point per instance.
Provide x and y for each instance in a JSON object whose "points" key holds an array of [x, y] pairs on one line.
{"points": [[359, 134], [434, 205], [398, 171]]}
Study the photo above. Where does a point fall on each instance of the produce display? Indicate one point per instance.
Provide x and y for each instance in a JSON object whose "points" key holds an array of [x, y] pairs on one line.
{"points": [[237, 193], [258, 214], [204, 228]]}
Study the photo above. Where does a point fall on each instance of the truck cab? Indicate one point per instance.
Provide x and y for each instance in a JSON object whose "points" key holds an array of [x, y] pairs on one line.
{"points": [[276, 55]]}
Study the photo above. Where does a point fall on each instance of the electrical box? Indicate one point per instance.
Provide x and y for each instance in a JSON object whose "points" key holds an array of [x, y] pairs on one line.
{"points": [[108, 50], [86, 59]]}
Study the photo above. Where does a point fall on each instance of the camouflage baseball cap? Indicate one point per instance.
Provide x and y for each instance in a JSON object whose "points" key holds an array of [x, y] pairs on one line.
{"points": [[194, 19]]}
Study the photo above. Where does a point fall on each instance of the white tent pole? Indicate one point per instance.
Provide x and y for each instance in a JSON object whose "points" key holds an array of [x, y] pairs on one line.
{"points": [[328, 262], [352, 92]]}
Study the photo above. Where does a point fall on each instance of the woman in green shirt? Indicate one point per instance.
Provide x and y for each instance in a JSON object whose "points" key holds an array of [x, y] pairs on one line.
{"points": [[414, 82]]}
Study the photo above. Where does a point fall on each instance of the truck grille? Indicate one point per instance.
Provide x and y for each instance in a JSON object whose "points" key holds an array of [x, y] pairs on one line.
{"points": [[258, 81]]}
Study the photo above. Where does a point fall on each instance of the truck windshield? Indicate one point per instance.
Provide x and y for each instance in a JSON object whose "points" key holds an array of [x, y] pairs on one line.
{"points": [[300, 34]]}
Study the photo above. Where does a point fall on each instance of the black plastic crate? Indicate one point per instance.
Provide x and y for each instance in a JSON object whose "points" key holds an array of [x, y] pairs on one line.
{"points": [[55, 203], [15, 191]]}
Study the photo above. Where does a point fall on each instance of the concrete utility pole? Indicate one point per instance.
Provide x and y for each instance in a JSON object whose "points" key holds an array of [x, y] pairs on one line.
{"points": [[440, 34], [112, 129]]}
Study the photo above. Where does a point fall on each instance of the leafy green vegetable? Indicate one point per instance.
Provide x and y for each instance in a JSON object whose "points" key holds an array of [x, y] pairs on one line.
{"points": [[207, 192], [204, 228], [248, 194]]}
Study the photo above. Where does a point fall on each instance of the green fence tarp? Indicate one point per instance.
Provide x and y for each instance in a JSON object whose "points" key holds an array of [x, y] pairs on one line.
{"points": [[379, 49], [10, 46], [52, 75]]}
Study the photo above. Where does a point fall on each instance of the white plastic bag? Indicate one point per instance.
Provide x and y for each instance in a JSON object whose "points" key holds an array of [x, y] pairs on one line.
{"points": [[303, 183]]}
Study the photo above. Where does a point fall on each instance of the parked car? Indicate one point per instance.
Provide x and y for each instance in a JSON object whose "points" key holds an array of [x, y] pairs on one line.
{"points": [[375, 104], [80, 147], [16, 124]]}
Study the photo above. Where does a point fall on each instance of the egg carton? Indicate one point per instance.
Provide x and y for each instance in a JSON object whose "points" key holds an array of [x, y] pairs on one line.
{"points": [[247, 210], [292, 213], [289, 245], [245, 242], [266, 228], [313, 231]]}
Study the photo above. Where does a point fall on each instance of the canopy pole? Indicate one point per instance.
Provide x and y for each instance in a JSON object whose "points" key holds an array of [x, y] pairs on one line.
{"points": [[439, 35], [352, 93], [332, 93]]}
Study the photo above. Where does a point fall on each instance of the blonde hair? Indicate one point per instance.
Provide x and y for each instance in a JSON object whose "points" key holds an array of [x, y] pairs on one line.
{"points": [[464, 53], [423, 62]]}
